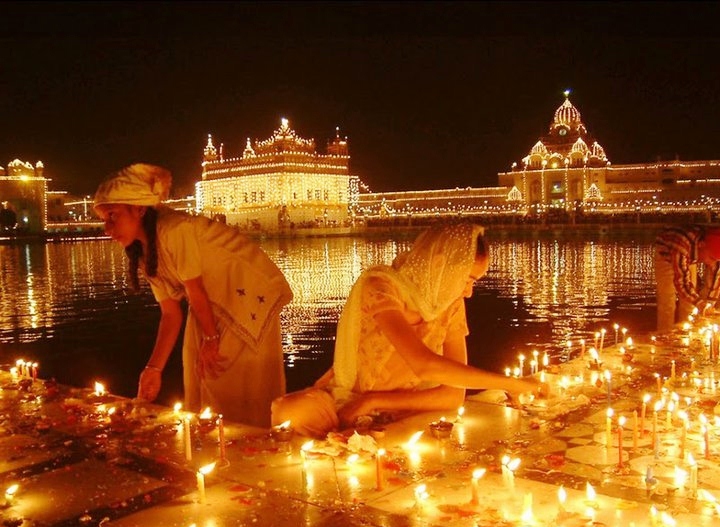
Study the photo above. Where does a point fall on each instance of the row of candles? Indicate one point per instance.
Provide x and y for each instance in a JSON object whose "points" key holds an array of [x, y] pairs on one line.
{"points": [[537, 365], [24, 369]]}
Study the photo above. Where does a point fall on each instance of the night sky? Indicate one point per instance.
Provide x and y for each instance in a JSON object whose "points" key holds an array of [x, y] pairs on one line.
{"points": [[430, 95]]}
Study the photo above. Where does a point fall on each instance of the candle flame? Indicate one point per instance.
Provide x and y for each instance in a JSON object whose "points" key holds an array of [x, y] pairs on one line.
{"points": [[478, 473], [705, 496], [512, 464], [621, 421], [527, 514], [380, 452], [421, 492], [680, 477], [206, 413], [562, 495], [12, 489], [352, 459], [99, 389], [207, 469], [307, 446], [666, 519], [414, 438], [283, 425], [177, 407], [590, 492]]}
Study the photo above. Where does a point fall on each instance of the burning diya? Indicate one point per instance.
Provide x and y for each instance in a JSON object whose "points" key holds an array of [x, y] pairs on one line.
{"points": [[282, 433], [206, 421], [441, 429]]}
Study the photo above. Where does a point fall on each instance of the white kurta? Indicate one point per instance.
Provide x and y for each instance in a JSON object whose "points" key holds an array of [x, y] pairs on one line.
{"points": [[247, 292]]}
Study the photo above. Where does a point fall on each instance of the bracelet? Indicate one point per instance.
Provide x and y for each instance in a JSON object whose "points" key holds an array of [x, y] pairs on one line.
{"points": [[153, 368], [216, 336]]}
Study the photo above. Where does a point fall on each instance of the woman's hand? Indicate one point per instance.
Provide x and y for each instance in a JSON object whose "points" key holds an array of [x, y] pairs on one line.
{"points": [[149, 384], [361, 405], [209, 359], [527, 389]]}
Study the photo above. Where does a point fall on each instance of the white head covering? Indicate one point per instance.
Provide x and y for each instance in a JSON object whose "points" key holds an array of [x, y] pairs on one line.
{"points": [[138, 184], [429, 277]]}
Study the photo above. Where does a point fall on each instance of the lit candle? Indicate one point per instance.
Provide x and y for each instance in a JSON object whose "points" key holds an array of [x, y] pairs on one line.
{"points": [[535, 360], [582, 347], [668, 416], [597, 338], [591, 496], [602, 338], [303, 457], [658, 405], [421, 497], [706, 438], [659, 384], [621, 423], [521, 359], [34, 371], [188, 438], [460, 413], [608, 381], [693, 474], [545, 360], [562, 496], [672, 370], [379, 477], [200, 476], [99, 389], [176, 408], [10, 493], [646, 399], [635, 431], [683, 431], [476, 475], [221, 437], [508, 468], [608, 427], [616, 327], [527, 516]]}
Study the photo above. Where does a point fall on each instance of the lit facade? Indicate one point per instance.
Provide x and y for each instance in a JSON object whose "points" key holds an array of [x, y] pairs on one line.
{"points": [[23, 193], [568, 168], [279, 183]]}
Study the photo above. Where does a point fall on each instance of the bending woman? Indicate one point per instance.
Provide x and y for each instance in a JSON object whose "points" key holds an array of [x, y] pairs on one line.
{"points": [[232, 350], [401, 338]]}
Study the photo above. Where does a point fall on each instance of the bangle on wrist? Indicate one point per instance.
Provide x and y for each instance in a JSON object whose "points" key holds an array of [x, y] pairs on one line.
{"points": [[216, 336], [153, 368]]}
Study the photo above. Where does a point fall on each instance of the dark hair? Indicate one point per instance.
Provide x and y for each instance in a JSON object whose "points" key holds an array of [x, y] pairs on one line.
{"points": [[482, 247], [134, 251]]}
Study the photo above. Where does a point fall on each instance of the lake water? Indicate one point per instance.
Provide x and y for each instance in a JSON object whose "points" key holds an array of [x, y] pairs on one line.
{"points": [[65, 305]]}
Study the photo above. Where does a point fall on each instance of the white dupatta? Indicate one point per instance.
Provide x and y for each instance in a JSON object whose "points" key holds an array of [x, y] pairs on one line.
{"points": [[430, 277]]}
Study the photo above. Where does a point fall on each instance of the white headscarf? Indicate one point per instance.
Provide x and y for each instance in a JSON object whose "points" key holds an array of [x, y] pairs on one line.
{"points": [[429, 277], [138, 184]]}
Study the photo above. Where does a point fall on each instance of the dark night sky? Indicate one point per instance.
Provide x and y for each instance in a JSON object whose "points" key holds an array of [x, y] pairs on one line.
{"points": [[430, 95]]}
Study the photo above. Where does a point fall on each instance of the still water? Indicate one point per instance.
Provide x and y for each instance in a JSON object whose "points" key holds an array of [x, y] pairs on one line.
{"points": [[66, 305]]}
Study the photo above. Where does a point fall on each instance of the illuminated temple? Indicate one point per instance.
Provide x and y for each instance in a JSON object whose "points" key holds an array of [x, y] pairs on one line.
{"points": [[281, 182], [568, 170]]}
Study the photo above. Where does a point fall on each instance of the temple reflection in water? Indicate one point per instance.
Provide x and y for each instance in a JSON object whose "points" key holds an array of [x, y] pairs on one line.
{"points": [[79, 289]]}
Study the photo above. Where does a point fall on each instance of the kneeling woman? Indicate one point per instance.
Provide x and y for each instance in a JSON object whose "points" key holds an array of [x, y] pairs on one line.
{"points": [[401, 339]]}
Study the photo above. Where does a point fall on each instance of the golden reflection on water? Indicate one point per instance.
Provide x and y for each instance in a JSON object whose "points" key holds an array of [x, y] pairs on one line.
{"points": [[574, 287]]}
